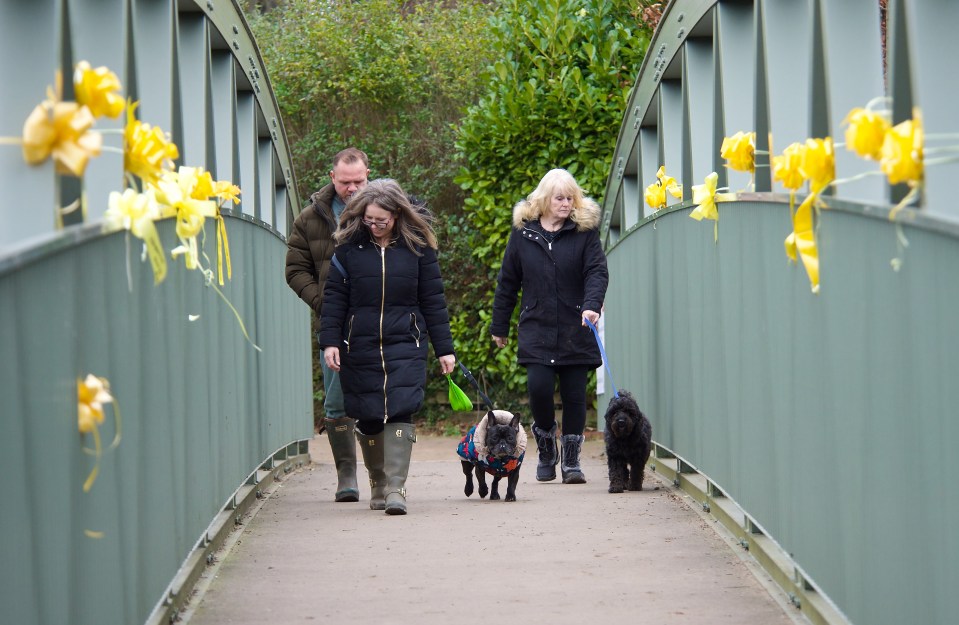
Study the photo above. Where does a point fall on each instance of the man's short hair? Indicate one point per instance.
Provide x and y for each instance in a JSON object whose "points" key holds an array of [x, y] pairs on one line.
{"points": [[350, 156]]}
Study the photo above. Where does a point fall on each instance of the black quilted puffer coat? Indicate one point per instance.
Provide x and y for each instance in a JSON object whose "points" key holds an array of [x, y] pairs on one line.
{"points": [[382, 315], [559, 280]]}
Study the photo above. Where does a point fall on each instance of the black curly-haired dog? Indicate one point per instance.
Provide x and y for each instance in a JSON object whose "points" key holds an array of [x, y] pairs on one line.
{"points": [[628, 438]]}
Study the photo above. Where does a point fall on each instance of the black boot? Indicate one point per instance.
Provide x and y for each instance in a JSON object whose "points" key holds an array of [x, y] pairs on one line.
{"points": [[572, 445], [548, 454]]}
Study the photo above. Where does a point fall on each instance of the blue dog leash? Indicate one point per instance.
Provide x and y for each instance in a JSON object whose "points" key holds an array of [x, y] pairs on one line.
{"points": [[602, 351]]}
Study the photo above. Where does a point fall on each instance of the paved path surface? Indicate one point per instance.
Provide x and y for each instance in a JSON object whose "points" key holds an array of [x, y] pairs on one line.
{"points": [[561, 554]]}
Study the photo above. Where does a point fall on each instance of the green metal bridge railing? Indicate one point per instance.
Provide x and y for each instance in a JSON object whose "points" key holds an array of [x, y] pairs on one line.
{"points": [[211, 386], [817, 426]]}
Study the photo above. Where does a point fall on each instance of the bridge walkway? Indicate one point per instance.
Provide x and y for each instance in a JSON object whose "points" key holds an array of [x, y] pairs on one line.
{"points": [[561, 554]]}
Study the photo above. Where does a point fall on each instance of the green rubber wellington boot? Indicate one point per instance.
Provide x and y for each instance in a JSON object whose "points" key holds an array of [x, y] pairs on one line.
{"points": [[372, 449], [340, 433], [398, 440]]}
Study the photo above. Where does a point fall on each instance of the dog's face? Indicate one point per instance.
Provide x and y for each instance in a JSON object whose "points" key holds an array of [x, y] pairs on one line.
{"points": [[501, 439], [623, 416]]}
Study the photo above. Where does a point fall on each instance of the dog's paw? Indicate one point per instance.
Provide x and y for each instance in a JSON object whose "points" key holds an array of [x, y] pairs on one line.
{"points": [[469, 489], [494, 497], [483, 491], [615, 487], [510, 497]]}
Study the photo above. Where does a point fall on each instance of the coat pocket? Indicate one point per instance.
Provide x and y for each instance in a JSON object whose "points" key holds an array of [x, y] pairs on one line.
{"points": [[349, 333], [415, 331], [528, 311]]}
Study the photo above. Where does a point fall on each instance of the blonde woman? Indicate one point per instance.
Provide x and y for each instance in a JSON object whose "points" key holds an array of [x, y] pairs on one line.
{"points": [[555, 257]]}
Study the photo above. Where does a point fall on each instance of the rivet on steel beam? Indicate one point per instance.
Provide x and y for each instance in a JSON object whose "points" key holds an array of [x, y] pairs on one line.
{"points": [[236, 29], [680, 18], [209, 4], [274, 122], [236, 46], [681, 33]]}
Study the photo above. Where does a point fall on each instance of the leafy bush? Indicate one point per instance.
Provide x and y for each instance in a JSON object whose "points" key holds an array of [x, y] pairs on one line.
{"points": [[385, 76]]}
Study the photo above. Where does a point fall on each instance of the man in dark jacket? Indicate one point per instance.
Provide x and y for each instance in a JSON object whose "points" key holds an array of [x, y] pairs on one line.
{"points": [[307, 263]]}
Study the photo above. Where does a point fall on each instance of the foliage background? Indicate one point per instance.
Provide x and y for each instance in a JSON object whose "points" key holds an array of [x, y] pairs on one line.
{"points": [[467, 104]]}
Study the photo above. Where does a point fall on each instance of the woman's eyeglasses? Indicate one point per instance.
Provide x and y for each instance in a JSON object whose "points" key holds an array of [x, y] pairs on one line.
{"points": [[377, 223]]}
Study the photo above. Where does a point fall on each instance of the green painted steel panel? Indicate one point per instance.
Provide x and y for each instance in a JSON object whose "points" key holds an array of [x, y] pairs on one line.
{"points": [[202, 409], [823, 416]]}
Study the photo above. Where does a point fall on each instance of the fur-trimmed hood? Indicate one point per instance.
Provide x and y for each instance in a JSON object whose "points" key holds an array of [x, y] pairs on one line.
{"points": [[586, 216]]}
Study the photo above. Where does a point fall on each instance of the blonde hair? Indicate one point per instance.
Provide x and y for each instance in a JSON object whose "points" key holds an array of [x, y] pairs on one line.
{"points": [[412, 223], [585, 213]]}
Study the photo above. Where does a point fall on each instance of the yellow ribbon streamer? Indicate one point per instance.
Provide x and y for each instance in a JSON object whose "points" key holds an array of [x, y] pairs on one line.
{"points": [[222, 249], [151, 239], [801, 242]]}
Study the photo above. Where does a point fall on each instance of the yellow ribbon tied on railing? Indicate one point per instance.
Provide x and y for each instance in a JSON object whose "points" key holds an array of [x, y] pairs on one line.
{"points": [[705, 197]]}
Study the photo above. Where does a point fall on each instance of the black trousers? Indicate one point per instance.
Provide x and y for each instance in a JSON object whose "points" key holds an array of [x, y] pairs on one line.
{"points": [[541, 384]]}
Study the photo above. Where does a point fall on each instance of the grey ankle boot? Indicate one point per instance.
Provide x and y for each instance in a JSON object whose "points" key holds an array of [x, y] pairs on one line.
{"points": [[548, 454], [572, 446], [398, 443], [372, 449], [340, 433]]}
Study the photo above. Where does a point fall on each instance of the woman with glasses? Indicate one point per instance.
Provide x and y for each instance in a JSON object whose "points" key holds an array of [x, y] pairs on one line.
{"points": [[382, 305]]}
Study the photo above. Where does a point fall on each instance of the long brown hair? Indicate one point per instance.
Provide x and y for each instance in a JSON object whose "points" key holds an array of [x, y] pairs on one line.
{"points": [[412, 223]]}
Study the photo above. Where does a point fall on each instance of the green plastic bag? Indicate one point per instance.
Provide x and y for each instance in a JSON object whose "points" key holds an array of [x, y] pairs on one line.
{"points": [[458, 399]]}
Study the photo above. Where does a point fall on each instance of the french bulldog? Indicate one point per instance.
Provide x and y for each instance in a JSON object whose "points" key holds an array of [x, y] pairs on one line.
{"points": [[500, 453]]}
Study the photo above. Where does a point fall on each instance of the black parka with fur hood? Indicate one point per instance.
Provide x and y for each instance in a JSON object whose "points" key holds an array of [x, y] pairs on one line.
{"points": [[559, 280], [382, 316]]}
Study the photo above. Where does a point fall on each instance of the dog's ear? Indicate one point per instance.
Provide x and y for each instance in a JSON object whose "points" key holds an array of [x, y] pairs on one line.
{"points": [[490, 418], [514, 422]]}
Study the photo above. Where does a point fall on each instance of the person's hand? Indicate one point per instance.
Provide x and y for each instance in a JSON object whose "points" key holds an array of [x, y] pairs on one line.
{"points": [[447, 363], [500, 341], [592, 315], [331, 355]]}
